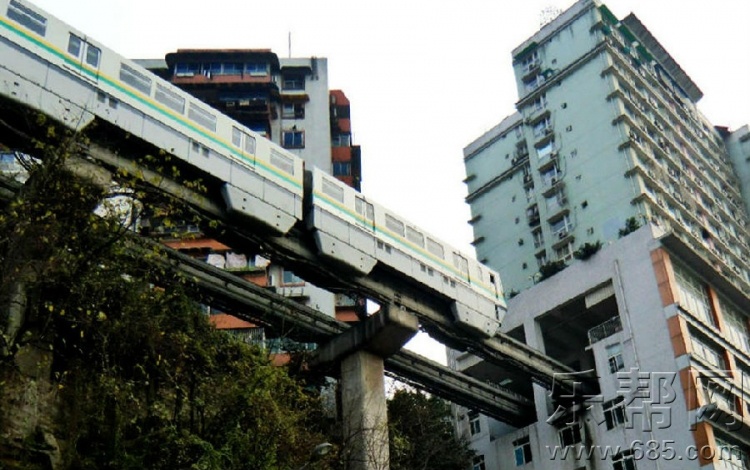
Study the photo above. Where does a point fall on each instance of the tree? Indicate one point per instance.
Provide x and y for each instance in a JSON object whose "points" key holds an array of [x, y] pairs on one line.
{"points": [[550, 269], [631, 225], [422, 435], [108, 362]]}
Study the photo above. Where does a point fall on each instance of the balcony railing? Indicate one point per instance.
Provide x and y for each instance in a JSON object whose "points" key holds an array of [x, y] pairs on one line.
{"points": [[604, 330]]}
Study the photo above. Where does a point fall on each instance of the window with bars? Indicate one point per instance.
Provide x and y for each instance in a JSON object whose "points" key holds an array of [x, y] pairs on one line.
{"points": [[693, 294], [522, 451], [624, 461], [570, 435], [614, 412], [735, 325], [474, 424], [708, 353], [614, 358]]}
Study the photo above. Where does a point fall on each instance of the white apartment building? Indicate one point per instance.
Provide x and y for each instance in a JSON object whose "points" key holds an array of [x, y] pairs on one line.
{"points": [[607, 129]]}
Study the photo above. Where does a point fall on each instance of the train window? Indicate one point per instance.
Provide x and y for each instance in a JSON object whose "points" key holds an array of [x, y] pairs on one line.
{"points": [[435, 248], [169, 98], [134, 78], [333, 190], [364, 208], [394, 225], [93, 54], [279, 160], [461, 263], [236, 137], [27, 17], [202, 117], [250, 148], [74, 45], [415, 237]]}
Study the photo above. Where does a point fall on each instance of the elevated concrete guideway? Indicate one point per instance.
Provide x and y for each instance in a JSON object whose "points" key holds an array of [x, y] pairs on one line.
{"points": [[293, 251], [297, 253]]}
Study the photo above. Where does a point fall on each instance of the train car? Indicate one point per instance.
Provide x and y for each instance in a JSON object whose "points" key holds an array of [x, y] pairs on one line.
{"points": [[62, 72], [357, 233], [58, 70]]}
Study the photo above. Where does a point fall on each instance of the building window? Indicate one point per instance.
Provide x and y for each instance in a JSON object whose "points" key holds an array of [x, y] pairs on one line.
{"points": [[570, 435], [342, 169], [735, 324], [614, 358], [478, 463], [561, 226], [540, 102], [342, 140], [543, 127], [614, 412], [530, 61], [565, 252], [713, 392], [474, 425], [534, 82], [293, 111], [731, 455], [624, 461], [550, 176], [522, 451], [693, 294], [293, 139], [538, 238], [256, 69], [288, 277], [556, 202], [541, 259], [706, 352], [545, 149], [293, 82]]}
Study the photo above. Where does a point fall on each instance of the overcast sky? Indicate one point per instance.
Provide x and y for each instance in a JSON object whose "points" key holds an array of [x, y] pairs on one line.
{"points": [[425, 78]]}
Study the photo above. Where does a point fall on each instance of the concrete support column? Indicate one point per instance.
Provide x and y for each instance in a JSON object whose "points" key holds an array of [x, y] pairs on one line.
{"points": [[360, 351], [364, 412]]}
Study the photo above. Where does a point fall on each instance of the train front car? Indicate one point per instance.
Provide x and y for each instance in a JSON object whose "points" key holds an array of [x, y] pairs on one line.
{"points": [[53, 68], [358, 233]]}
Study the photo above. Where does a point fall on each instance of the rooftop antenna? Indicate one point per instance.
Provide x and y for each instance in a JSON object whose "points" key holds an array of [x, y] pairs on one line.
{"points": [[290, 44], [548, 14]]}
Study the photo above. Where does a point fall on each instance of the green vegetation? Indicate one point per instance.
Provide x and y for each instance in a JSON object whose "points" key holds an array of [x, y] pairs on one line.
{"points": [[631, 225], [107, 361], [550, 269], [587, 250], [422, 435]]}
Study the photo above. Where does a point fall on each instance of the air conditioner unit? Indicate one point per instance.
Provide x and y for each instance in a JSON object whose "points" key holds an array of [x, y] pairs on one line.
{"points": [[562, 234]]}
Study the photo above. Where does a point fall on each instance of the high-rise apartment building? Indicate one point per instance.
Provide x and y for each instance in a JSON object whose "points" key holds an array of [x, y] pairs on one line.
{"points": [[287, 101], [607, 137], [607, 129], [665, 337]]}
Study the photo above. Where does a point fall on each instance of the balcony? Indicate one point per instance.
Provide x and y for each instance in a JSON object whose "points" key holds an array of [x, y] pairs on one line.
{"points": [[605, 330]]}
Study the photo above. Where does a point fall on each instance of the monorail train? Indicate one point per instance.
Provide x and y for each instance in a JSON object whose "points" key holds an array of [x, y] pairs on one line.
{"points": [[54, 68]]}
